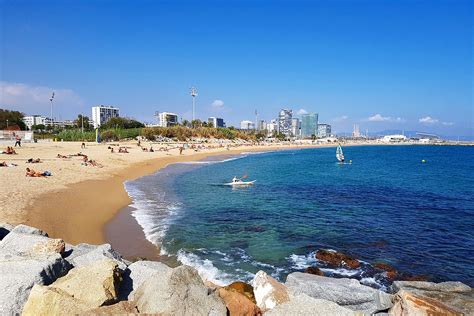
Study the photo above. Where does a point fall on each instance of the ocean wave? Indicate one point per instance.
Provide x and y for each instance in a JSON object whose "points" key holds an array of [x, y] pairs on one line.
{"points": [[205, 268], [153, 215]]}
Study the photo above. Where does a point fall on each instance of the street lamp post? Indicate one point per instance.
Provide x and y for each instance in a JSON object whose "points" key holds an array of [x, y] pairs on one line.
{"points": [[51, 100]]}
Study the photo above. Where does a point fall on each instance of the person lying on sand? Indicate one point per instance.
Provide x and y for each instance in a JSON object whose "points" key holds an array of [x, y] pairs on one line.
{"points": [[61, 156], [123, 150], [5, 164], [9, 151], [90, 162], [151, 149], [32, 173], [144, 149], [31, 160]]}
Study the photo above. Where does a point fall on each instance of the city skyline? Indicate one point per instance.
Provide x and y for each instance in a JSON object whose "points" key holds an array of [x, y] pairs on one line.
{"points": [[382, 66]]}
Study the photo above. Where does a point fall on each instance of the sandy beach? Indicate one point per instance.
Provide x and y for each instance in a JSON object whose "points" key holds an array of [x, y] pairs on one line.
{"points": [[77, 201]]}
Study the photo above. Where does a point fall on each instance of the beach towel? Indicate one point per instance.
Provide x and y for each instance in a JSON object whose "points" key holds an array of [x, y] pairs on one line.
{"points": [[47, 174]]}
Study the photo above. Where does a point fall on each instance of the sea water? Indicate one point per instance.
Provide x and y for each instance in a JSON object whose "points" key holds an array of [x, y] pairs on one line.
{"points": [[387, 206]]}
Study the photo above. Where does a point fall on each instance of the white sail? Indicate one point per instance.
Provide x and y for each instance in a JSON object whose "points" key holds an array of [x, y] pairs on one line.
{"points": [[339, 154]]}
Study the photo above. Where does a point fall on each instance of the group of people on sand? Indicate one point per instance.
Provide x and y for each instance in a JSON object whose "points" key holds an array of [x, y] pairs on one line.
{"points": [[9, 151]]}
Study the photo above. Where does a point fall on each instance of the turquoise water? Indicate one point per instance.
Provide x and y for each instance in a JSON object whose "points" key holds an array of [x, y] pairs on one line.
{"points": [[387, 206]]}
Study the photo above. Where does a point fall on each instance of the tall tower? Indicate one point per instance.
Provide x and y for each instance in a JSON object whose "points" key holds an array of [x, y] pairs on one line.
{"points": [[194, 94], [256, 120]]}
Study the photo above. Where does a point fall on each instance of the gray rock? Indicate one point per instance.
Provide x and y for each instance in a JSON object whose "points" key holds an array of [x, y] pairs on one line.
{"points": [[450, 286], [348, 293], [178, 291], [5, 229], [23, 229], [20, 243], [303, 305], [20, 273], [84, 254], [137, 273], [429, 297]]}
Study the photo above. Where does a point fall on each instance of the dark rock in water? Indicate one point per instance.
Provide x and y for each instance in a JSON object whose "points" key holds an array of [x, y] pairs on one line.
{"points": [[239, 244], [408, 277], [256, 229], [242, 288], [314, 270], [391, 271], [337, 259]]}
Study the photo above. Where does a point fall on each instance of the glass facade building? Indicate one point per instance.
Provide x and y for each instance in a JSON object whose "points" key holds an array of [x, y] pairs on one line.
{"points": [[309, 125]]}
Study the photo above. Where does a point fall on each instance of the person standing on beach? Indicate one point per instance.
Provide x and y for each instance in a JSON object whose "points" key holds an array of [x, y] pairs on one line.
{"points": [[18, 140], [181, 150]]}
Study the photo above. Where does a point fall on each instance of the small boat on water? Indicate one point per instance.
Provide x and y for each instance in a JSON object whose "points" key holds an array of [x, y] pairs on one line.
{"points": [[238, 182], [340, 155]]}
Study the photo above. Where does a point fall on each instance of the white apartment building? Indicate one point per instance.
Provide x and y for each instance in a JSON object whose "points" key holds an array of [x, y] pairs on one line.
{"points": [[101, 114], [216, 121], [247, 125], [36, 120], [166, 119]]}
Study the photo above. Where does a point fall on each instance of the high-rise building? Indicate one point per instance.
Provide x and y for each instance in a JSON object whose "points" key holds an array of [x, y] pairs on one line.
{"points": [[101, 114], [309, 125], [295, 128], [247, 125], [356, 131], [262, 125], [216, 122], [272, 127], [284, 122], [324, 130], [166, 119]]}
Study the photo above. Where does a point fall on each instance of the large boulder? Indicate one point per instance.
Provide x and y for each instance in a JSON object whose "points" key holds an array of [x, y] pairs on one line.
{"points": [[82, 289], [238, 304], [120, 308], [46, 301], [348, 293], [24, 229], [268, 291], [302, 305], [427, 298], [24, 240], [5, 229], [337, 259], [137, 273], [178, 291], [85, 254], [242, 288], [20, 273]]}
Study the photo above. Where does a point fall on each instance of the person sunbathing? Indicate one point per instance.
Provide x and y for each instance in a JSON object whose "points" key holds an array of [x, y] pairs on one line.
{"points": [[123, 150], [3, 164], [10, 151], [31, 160], [32, 173], [61, 156]]}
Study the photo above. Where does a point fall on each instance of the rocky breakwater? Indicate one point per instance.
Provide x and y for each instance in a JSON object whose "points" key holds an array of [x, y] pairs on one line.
{"points": [[45, 276]]}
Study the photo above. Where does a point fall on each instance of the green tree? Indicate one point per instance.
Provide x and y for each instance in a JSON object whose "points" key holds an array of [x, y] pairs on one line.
{"points": [[185, 123], [122, 122], [38, 127], [82, 120], [11, 118], [196, 123]]}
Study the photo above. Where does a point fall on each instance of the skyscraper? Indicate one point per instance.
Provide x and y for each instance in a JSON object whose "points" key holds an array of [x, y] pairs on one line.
{"points": [[309, 125], [284, 122]]}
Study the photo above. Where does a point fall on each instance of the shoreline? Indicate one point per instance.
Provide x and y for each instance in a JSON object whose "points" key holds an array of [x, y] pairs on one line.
{"points": [[80, 212]]}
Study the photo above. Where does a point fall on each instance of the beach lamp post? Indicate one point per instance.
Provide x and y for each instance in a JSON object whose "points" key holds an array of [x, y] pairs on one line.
{"points": [[256, 120], [7, 123], [194, 94], [51, 100]]}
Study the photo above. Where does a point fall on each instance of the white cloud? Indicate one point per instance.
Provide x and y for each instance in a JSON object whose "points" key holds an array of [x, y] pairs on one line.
{"points": [[340, 118], [217, 103], [428, 120], [301, 112], [447, 123], [378, 118], [35, 99]]}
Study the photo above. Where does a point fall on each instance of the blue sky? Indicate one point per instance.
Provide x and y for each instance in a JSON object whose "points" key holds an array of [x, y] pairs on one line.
{"points": [[381, 64]]}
